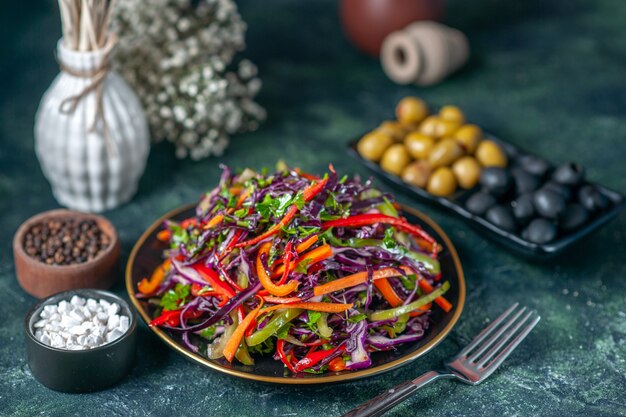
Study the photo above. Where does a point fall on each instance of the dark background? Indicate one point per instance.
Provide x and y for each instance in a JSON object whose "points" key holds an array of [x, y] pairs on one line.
{"points": [[549, 76]]}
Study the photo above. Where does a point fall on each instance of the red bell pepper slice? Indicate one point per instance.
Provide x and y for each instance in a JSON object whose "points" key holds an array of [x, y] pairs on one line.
{"points": [[251, 328], [287, 263], [311, 257], [172, 317], [274, 289], [314, 357], [200, 291], [373, 218], [231, 245], [165, 317], [212, 277], [286, 359], [224, 290], [228, 280]]}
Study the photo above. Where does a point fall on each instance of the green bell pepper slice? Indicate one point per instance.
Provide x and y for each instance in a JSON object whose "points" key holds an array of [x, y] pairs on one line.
{"points": [[400, 310], [270, 329]]}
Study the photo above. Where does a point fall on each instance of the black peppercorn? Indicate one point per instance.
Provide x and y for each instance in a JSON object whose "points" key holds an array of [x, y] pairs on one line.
{"points": [[65, 241]]}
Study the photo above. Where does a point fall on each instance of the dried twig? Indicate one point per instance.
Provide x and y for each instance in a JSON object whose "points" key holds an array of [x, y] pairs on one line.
{"points": [[85, 23]]}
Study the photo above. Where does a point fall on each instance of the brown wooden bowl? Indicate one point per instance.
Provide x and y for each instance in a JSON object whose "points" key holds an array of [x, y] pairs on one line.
{"points": [[42, 280]]}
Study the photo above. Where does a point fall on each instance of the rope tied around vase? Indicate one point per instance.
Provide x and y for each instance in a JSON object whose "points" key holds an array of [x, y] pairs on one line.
{"points": [[97, 76]]}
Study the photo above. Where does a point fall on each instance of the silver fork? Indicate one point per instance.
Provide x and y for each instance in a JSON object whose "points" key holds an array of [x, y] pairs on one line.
{"points": [[471, 365]]}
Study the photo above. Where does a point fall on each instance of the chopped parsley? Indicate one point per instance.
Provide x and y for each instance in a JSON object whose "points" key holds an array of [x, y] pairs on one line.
{"points": [[173, 299]]}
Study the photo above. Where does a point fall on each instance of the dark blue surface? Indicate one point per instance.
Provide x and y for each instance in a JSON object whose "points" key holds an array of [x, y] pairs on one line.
{"points": [[547, 76]]}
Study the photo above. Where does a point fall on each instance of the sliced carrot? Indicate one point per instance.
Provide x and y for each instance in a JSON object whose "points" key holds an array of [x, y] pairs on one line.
{"points": [[421, 310], [242, 197], [215, 220], [235, 340], [164, 235], [218, 218], [311, 257], [299, 249], [309, 193], [266, 281], [388, 292], [356, 279], [306, 175], [337, 364], [307, 243], [281, 300], [272, 230], [394, 300], [441, 301], [235, 190], [148, 287], [310, 305]]}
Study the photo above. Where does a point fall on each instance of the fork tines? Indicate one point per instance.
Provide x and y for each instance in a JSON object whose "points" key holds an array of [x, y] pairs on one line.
{"points": [[496, 342]]}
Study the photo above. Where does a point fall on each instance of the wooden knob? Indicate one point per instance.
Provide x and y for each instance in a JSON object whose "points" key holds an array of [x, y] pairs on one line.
{"points": [[423, 53], [401, 57]]}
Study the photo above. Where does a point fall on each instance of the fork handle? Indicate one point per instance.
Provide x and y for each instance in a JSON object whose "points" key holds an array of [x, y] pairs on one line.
{"points": [[394, 396]]}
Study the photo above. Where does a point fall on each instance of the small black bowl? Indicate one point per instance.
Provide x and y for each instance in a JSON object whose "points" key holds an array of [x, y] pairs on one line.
{"points": [[81, 370]]}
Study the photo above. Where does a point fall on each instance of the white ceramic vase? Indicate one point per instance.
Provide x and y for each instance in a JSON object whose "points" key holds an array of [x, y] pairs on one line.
{"points": [[91, 169]]}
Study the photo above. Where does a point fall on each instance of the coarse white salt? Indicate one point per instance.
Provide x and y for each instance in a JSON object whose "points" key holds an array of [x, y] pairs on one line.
{"points": [[80, 324]]}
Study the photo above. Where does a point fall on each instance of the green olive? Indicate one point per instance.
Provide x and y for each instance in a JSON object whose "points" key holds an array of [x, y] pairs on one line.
{"points": [[445, 153], [446, 128], [453, 114], [419, 145], [467, 172], [429, 126], [469, 136], [411, 110], [442, 182], [373, 145], [393, 129], [395, 159], [489, 154], [417, 173]]}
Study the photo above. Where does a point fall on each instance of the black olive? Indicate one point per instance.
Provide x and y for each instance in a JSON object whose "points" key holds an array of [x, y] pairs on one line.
{"points": [[561, 189], [502, 217], [540, 231], [523, 208], [592, 199], [495, 180], [548, 203], [479, 203], [573, 217], [534, 165], [524, 181], [570, 174]]}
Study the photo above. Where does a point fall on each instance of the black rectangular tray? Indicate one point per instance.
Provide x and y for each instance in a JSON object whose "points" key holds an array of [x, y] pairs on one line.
{"points": [[511, 241]]}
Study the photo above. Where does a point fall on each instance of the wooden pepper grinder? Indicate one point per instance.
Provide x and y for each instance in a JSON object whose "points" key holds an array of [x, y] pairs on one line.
{"points": [[423, 53]]}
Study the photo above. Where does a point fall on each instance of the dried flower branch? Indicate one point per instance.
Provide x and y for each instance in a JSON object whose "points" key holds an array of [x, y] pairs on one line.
{"points": [[176, 54]]}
